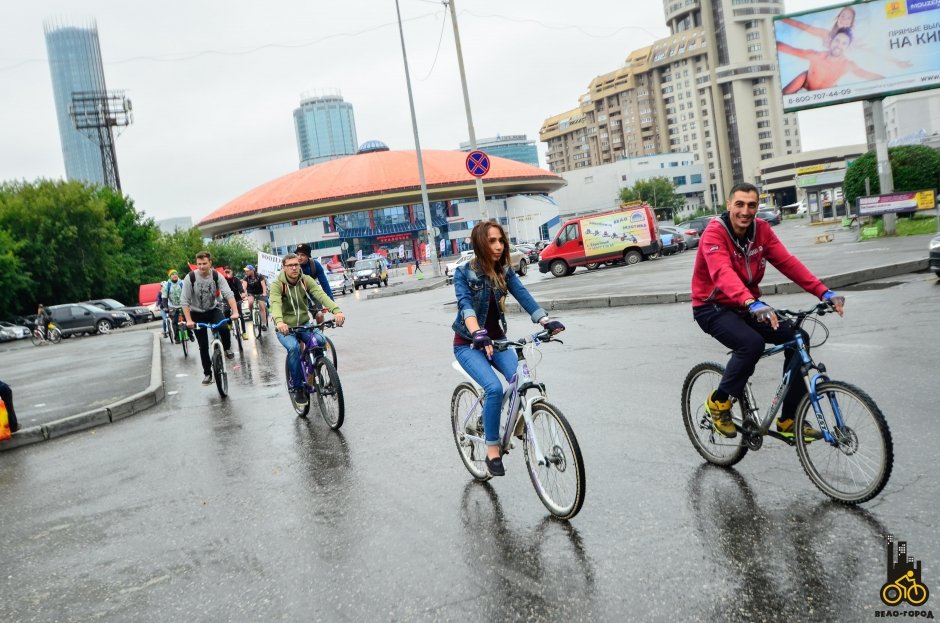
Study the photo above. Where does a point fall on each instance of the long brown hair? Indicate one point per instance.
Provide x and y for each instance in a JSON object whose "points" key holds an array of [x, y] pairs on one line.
{"points": [[483, 261]]}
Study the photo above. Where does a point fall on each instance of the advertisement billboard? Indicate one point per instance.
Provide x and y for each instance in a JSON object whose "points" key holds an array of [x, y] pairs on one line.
{"points": [[613, 232], [897, 203], [858, 51]]}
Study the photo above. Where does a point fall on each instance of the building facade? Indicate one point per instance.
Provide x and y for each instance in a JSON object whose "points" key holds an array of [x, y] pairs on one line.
{"points": [[75, 65], [514, 147], [910, 119], [326, 129], [710, 89]]}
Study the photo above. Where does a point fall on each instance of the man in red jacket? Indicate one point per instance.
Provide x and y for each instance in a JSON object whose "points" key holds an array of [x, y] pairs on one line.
{"points": [[733, 251]]}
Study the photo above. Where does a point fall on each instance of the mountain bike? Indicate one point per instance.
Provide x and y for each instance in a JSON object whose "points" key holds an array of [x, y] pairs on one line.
{"points": [[319, 373], [217, 355], [256, 323], [50, 334], [552, 454], [851, 463]]}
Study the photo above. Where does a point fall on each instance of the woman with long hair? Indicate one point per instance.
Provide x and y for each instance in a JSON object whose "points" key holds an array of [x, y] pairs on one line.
{"points": [[481, 286]]}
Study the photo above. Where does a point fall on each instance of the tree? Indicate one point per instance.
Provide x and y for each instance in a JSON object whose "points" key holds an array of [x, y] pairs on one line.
{"points": [[913, 167], [659, 192]]}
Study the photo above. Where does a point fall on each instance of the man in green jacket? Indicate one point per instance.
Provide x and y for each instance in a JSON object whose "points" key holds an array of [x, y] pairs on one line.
{"points": [[292, 293]]}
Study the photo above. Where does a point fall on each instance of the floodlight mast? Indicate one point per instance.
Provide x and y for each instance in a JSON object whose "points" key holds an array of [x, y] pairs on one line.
{"points": [[95, 114]]}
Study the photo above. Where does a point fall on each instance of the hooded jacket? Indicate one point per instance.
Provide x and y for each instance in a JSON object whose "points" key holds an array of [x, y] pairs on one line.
{"points": [[289, 302], [728, 272]]}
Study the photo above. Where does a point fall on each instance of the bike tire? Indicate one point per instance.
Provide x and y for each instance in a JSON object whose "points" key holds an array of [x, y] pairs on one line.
{"points": [[466, 413], [256, 324], [300, 410], [238, 338], [561, 484], [329, 393], [699, 383], [55, 335], [856, 467], [184, 340], [218, 372], [36, 338], [329, 349]]}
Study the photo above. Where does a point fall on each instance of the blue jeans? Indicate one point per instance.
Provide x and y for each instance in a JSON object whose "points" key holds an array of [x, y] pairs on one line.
{"points": [[291, 342], [480, 370]]}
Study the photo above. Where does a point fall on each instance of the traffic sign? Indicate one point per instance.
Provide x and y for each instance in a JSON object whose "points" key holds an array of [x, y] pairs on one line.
{"points": [[478, 163]]}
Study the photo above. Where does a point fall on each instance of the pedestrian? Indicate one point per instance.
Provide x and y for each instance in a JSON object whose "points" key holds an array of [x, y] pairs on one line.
{"points": [[6, 392], [732, 254], [202, 289], [418, 265], [482, 285]]}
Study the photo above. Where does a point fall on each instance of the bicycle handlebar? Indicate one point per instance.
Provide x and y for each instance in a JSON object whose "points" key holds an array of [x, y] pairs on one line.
{"points": [[536, 338], [326, 324], [212, 327], [820, 309]]}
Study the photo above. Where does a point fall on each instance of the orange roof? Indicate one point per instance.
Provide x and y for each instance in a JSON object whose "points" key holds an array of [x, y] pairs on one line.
{"points": [[373, 180]]}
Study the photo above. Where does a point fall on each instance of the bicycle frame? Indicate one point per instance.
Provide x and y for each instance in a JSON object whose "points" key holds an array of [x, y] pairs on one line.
{"points": [[801, 365], [307, 336], [515, 403]]}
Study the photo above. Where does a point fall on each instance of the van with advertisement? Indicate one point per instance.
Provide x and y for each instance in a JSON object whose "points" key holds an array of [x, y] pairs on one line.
{"points": [[623, 236]]}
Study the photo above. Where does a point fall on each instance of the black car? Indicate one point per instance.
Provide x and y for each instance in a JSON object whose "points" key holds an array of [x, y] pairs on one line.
{"points": [[770, 216], [138, 313], [76, 318]]}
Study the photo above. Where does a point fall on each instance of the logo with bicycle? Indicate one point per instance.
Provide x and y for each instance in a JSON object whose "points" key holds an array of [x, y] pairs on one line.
{"points": [[903, 576]]}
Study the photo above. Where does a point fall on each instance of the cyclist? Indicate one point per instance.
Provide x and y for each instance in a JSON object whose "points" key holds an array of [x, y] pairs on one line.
{"points": [[481, 286], [315, 269], [200, 302], [256, 285], [292, 292], [729, 265], [42, 320], [171, 293], [236, 285]]}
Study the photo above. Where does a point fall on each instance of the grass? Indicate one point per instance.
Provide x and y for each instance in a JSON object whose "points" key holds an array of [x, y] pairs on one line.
{"points": [[919, 224]]}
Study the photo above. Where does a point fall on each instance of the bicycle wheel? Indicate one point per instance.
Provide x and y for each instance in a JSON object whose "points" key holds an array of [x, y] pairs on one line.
{"points": [[256, 323], [184, 340], [238, 338], [37, 337], [55, 335], [560, 481], [714, 448], [329, 393], [300, 410], [466, 416], [857, 465], [218, 371], [330, 351]]}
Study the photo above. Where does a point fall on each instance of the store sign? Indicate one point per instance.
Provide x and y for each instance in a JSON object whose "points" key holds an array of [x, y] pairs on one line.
{"points": [[816, 168], [393, 237]]}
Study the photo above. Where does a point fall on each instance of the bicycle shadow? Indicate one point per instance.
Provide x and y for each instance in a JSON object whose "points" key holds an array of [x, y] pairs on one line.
{"points": [[522, 573], [784, 563]]}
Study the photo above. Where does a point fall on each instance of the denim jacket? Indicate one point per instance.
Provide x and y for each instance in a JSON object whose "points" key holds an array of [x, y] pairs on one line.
{"points": [[473, 297]]}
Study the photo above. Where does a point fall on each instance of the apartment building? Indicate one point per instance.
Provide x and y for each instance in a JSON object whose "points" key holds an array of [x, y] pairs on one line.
{"points": [[710, 88]]}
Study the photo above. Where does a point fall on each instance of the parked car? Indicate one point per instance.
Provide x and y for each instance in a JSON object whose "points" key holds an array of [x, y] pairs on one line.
{"points": [[771, 216], [690, 236], [76, 318], [138, 313], [934, 260], [340, 281], [801, 210], [698, 224], [373, 270], [678, 236], [672, 242], [531, 253], [518, 259], [11, 331]]}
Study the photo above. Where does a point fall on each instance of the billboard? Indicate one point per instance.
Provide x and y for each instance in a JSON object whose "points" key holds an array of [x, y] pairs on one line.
{"points": [[616, 231], [901, 202], [858, 51]]}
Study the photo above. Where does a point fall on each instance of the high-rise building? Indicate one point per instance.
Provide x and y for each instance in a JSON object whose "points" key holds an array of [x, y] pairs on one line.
{"points": [[326, 129], [75, 65], [710, 88], [514, 147]]}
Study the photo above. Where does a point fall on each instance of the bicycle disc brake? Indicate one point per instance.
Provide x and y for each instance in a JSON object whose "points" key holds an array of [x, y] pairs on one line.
{"points": [[846, 440], [753, 439]]}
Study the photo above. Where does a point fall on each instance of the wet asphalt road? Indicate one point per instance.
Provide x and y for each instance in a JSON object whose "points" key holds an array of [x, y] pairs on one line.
{"points": [[204, 509]]}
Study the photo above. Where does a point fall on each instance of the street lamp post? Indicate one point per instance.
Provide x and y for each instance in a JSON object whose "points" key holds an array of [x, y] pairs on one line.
{"points": [[428, 225]]}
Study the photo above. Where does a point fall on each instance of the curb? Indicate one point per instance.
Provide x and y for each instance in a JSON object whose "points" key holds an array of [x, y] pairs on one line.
{"points": [[135, 403], [432, 283], [838, 280]]}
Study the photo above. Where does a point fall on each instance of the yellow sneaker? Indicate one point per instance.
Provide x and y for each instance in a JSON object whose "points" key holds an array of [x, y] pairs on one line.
{"points": [[720, 413], [785, 428]]}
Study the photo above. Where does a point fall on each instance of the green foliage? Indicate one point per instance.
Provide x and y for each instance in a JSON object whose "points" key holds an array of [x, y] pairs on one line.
{"points": [[659, 192], [913, 167]]}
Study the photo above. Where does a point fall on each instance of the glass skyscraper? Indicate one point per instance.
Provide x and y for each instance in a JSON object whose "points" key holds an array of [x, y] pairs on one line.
{"points": [[514, 147], [326, 129], [75, 65]]}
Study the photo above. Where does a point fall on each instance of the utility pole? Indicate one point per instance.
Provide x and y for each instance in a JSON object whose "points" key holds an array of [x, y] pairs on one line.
{"points": [[885, 177], [428, 224], [481, 198]]}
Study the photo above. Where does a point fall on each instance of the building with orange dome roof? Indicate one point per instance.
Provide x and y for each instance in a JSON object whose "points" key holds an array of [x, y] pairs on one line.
{"points": [[371, 202]]}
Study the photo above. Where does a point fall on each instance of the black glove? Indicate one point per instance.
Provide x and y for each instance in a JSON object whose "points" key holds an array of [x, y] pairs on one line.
{"points": [[553, 327], [481, 339]]}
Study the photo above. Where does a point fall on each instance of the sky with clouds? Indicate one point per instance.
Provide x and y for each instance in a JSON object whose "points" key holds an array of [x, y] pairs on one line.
{"points": [[214, 84]]}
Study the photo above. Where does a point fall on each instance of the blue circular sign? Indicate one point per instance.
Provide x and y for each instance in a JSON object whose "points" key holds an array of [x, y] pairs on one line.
{"points": [[478, 163]]}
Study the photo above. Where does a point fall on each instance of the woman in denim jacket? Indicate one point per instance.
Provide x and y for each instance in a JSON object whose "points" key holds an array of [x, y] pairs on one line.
{"points": [[481, 286]]}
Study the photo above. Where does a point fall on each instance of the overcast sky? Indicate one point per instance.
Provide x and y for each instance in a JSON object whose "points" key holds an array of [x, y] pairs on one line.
{"points": [[214, 84]]}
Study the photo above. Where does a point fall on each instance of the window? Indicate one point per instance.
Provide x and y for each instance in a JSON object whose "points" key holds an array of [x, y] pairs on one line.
{"points": [[679, 180], [696, 178]]}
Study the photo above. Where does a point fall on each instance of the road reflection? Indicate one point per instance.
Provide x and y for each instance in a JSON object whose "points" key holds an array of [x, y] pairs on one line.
{"points": [[806, 561], [542, 569]]}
